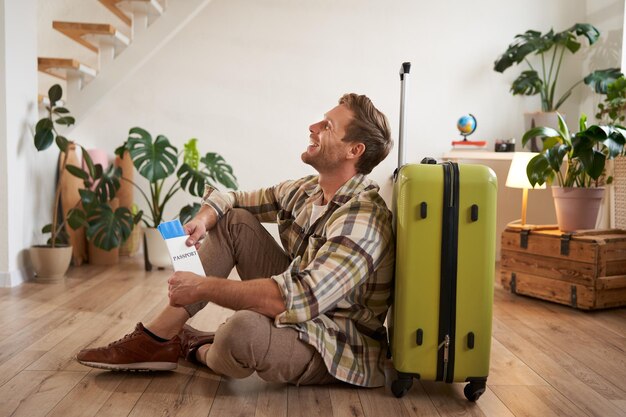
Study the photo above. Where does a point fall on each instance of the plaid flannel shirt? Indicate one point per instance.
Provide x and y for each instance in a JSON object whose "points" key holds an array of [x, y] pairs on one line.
{"points": [[337, 288]]}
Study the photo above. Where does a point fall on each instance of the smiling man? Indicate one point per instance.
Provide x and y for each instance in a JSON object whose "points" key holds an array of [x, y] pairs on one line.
{"points": [[309, 312]]}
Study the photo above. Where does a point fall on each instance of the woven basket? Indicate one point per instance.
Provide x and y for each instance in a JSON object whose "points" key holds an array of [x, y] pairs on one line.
{"points": [[619, 185], [131, 246]]}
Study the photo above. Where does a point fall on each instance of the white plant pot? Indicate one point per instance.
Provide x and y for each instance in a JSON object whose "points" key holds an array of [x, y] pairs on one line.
{"points": [[50, 264], [577, 208], [158, 254]]}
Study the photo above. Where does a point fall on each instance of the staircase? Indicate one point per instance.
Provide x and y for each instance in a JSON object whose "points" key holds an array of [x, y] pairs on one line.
{"points": [[149, 23]]}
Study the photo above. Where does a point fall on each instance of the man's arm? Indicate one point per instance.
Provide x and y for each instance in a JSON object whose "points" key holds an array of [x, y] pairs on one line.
{"points": [[261, 295]]}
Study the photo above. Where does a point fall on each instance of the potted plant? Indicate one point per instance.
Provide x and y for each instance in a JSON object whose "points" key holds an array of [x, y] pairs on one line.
{"points": [[157, 160], [611, 110], [52, 260], [542, 76], [107, 225], [579, 190]]}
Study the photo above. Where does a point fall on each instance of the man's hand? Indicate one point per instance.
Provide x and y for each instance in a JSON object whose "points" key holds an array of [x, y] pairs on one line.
{"points": [[185, 288], [196, 229]]}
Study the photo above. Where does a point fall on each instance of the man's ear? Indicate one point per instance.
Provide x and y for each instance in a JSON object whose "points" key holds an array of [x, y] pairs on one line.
{"points": [[356, 150]]}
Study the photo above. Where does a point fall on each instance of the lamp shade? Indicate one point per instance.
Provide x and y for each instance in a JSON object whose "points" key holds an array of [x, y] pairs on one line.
{"points": [[517, 177]]}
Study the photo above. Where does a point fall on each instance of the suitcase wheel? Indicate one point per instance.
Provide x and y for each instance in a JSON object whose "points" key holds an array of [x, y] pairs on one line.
{"points": [[401, 386], [474, 390]]}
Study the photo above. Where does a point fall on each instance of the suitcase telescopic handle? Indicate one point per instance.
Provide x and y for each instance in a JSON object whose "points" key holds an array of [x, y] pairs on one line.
{"points": [[404, 72]]}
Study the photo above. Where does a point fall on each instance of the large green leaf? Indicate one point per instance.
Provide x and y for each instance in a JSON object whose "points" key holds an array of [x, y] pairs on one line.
{"points": [[524, 44], [77, 172], [587, 30], [192, 155], [108, 229], [220, 170], [76, 218], [154, 160], [43, 139], [108, 184], [54, 94], [544, 132], [600, 80], [192, 180], [66, 120], [528, 83], [538, 169], [595, 169], [188, 212]]}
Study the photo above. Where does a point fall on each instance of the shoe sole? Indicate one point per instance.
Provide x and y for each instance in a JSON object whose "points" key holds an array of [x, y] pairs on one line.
{"points": [[138, 366]]}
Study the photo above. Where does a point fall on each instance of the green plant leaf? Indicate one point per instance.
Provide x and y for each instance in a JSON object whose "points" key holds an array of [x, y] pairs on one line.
{"points": [[44, 124], [91, 169], [188, 212], [62, 143], [528, 83], [595, 169], [77, 172], [523, 44], [66, 120], [563, 129], [544, 132], [192, 180], [47, 228], [154, 160], [192, 155], [54, 94], [600, 80], [220, 170], [108, 229], [87, 197], [60, 110], [537, 169], [119, 151], [43, 139], [615, 144], [76, 218], [98, 171], [108, 184], [587, 30]]}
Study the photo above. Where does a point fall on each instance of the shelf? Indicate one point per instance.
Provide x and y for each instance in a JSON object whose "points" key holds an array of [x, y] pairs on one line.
{"points": [[478, 155]]}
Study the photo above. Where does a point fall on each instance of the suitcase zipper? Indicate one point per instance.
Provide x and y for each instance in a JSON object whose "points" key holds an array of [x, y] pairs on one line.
{"points": [[449, 254]]}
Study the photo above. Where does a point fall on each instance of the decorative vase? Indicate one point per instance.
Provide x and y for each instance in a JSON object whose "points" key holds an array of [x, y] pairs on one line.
{"points": [[536, 119], [50, 263], [125, 193], [70, 197], [577, 208], [156, 249]]}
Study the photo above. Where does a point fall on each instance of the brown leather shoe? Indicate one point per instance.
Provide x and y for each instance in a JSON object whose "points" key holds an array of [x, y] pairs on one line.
{"points": [[191, 339], [136, 351]]}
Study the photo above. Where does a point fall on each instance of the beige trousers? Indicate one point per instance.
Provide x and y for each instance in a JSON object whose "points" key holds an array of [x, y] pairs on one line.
{"points": [[249, 341]]}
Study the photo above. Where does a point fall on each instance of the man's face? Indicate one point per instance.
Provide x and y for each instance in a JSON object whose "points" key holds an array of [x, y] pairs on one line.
{"points": [[326, 149]]}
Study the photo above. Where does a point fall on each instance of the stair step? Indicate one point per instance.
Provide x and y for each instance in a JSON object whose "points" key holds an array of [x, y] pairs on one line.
{"points": [[89, 34], [61, 67], [124, 8]]}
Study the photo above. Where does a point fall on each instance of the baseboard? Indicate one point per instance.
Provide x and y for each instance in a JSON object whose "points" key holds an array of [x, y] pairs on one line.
{"points": [[13, 278]]}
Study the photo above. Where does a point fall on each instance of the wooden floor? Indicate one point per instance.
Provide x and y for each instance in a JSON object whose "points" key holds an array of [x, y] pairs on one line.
{"points": [[547, 360]]}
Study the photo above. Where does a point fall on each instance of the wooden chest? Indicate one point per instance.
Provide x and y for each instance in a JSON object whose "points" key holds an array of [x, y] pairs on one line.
{"points": [[586, 270]]}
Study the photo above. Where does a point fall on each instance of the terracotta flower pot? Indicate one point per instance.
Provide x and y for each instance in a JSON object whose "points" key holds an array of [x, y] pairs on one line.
{"points": [[50, 264], [577, 208]]}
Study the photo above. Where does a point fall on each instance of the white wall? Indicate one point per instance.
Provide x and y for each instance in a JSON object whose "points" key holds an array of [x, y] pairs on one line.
{"points": [[247, 77], [22, 197]]}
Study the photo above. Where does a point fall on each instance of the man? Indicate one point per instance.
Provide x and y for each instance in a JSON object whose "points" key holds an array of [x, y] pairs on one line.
{"points": [[312, 313]]}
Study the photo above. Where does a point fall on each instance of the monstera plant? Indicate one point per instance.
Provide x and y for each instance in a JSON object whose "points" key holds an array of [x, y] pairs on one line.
{"points": [[543, 72], [157, 160]]}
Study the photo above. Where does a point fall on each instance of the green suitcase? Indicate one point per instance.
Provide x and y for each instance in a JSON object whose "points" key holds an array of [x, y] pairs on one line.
{"points": [[445, 220]]}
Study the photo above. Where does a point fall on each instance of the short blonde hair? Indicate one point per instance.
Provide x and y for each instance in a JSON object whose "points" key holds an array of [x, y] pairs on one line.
{"points": [[370, 127]]}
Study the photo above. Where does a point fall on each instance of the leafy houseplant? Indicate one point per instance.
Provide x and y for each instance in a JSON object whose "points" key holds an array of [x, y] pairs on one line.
{"points": [[550, 48], [587, 152], [105, 228], [157, 160], [613, 108]]}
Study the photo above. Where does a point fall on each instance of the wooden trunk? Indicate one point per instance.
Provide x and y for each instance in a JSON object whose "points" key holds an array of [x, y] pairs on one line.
{"points": [[586, 270]]}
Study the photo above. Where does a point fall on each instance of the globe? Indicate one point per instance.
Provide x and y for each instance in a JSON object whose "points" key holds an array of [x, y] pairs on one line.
{"points": [[466, 124]]}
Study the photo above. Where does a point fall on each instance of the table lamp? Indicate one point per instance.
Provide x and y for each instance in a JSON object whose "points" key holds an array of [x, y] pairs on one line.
{"points": [[518, 178]]}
